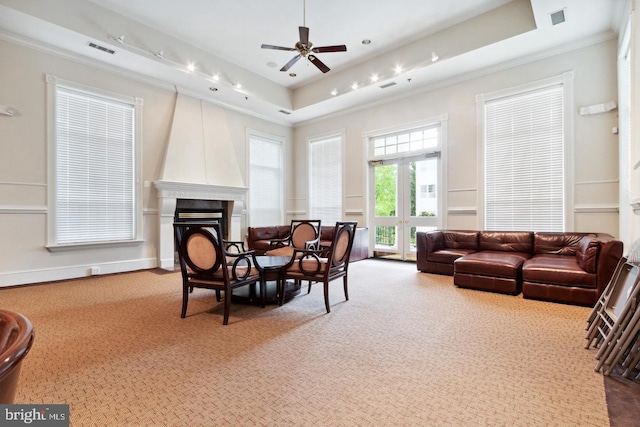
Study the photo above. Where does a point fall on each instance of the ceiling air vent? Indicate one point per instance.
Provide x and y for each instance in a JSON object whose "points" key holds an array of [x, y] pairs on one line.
{"points": [[102, 48], [285, 112], [557, 17], [384, 86]]}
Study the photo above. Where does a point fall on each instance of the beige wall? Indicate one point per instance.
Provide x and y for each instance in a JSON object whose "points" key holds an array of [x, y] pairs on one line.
{"points": [[595, 179], [23, 158], [23, 165]]}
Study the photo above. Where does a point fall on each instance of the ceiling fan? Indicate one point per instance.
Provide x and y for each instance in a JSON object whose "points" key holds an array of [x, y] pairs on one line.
{"points": [[305, 48]]}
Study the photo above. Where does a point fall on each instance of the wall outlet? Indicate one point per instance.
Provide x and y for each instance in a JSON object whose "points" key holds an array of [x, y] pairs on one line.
{"points": [[95, 270]]}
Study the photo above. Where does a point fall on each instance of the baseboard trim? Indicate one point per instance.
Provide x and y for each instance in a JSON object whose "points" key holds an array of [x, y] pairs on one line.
{"points": [[15, 278]]}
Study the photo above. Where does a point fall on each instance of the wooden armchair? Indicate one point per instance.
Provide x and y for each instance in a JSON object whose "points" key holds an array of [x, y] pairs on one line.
{"points": [[305, 234], [323, 265], [205, 263]]}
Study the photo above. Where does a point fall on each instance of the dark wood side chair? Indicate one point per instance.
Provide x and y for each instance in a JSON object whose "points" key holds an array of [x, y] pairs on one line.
{"points": [[304, 234], [323, 265], [16, 339], [205, 263]]}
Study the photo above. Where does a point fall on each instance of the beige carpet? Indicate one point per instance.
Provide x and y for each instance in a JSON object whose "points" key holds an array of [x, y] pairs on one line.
{"points": [[408, 349]]}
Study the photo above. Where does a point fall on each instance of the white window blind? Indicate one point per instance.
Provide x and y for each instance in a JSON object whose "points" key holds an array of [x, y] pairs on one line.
{"points": [[325, 179], [524, 161], [94, 168], [265, 176]]}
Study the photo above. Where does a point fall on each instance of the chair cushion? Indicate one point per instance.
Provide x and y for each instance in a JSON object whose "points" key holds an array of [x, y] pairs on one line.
{"points": [[282, 251], [218, 277], [342, 245], [201, 251], [303, 233], [309, 266]]}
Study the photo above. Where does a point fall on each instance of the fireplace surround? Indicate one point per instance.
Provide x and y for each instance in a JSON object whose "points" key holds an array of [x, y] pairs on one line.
{"points": [[168, 194]]}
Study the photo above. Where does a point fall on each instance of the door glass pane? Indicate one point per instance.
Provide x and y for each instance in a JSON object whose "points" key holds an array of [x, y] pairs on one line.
{"points": [[386, 178], [386, 238], [423, 175]]}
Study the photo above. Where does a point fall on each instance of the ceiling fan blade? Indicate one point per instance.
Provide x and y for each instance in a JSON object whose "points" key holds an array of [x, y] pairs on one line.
{"points": [[315, 61], [290, 63], [268, 46], [339, 48], [304, 35]]}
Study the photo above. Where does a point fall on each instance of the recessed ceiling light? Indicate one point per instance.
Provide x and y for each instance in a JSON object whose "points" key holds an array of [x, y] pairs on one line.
{"points": [[366, 41], [191, 66], [374, 78], [354, 86], [334, 92], [216, 77], [398, 69], [292, 74], [213, 89], [238, 85], [434, 57]]}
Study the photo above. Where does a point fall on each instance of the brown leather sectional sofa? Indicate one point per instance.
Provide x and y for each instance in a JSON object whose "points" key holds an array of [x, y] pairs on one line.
{"points": [[259, 238], [570, 267]]}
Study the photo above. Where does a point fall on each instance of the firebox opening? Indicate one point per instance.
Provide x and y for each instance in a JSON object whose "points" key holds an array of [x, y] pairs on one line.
{"points": [[199, 210]]}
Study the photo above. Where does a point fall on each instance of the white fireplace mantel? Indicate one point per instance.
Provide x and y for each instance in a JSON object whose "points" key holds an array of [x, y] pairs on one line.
{"points": [[169, 191]]}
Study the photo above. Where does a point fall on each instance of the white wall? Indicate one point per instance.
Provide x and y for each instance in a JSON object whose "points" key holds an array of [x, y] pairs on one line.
{"points": [[595, 179], [23, 165]]}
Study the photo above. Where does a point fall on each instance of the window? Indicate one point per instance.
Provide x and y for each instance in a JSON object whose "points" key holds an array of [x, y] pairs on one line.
{"points": [[93, 198], [406, 141], [524, 160], [265, 178], [325, 179]]}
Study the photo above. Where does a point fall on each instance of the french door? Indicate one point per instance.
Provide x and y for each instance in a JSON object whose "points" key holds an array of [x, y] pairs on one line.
{"points": [[405, 198]]}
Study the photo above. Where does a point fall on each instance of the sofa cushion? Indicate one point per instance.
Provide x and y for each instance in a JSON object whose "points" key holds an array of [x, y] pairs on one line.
{"points": [[491, 263], [506, 241], [557, 270], [264, 233], [587, 254], [461, 239], [557, 243], [448, 255], [326, 236]]}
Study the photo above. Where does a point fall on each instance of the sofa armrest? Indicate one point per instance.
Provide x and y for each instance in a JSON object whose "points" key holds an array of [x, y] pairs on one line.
{"points": [[610, 253], [421, 249], [435, 241]]}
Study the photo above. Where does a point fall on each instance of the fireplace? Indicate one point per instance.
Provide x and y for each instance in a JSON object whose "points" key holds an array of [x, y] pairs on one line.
{"points": [[198, 210], [179, 201], [200, 176]]}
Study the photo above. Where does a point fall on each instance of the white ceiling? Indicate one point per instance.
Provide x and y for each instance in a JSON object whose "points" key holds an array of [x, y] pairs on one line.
{"points": [[224, 37]]}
